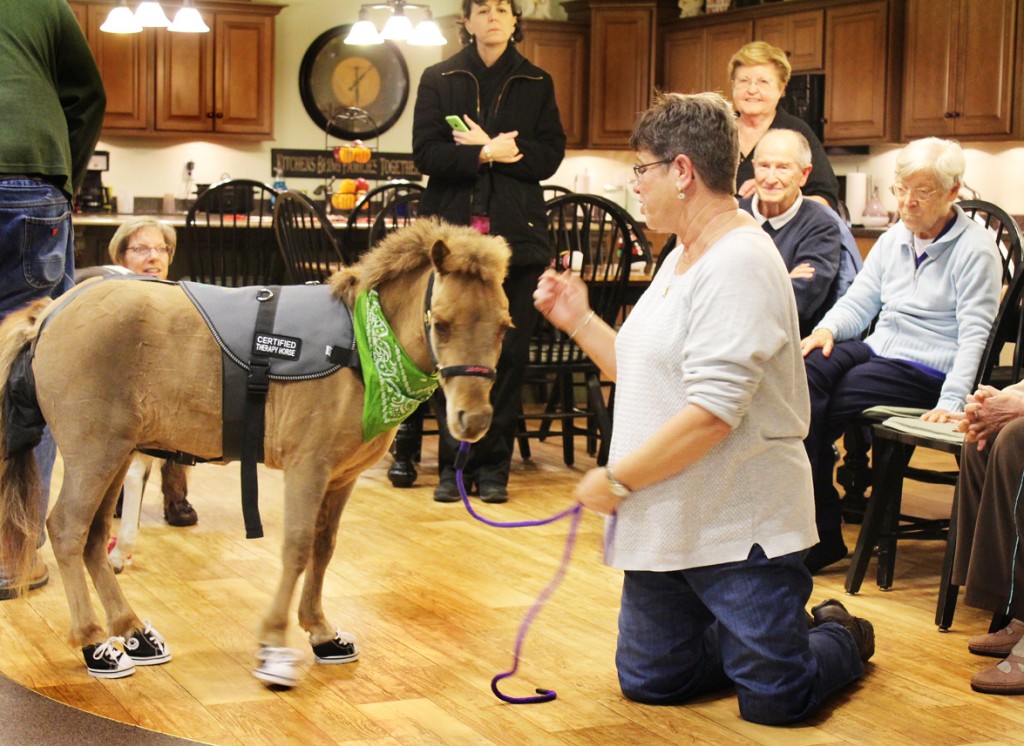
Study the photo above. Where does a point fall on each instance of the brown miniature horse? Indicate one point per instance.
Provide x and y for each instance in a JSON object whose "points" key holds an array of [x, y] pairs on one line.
{"points": [[172, 401]]}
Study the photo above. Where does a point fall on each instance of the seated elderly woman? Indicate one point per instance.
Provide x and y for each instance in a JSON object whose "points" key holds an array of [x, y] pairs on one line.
{"points": [[933, 282], [145, 246], [990, 524]]}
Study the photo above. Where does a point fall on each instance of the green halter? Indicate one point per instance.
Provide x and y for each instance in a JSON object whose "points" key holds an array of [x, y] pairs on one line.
{"points": [[394, 385]]}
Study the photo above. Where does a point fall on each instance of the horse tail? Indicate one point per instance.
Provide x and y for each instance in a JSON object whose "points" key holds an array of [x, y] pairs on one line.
{"points": [[19, 476]]}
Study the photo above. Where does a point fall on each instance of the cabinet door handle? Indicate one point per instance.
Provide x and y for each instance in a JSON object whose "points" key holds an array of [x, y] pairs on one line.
{"points": [[948, 115], [220, 115], [209, 115], [956, 115]]}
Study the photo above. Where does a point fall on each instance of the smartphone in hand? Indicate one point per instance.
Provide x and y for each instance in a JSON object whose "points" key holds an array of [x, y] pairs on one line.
{"points": [[456, 123]]}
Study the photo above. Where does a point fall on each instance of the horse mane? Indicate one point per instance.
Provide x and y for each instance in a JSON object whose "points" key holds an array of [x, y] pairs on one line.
{"points": [[409, 250]]}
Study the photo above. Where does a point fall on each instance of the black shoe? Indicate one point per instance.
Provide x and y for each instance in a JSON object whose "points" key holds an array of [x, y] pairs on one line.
{"points": [[826, 552], [493, 493], [447, 491], [147, 647], [106, 661], [863, 632], [341, 649]]}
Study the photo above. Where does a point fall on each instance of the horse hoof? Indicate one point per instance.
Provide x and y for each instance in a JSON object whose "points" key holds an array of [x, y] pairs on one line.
{"points": [[277, 666], [341, 649]]}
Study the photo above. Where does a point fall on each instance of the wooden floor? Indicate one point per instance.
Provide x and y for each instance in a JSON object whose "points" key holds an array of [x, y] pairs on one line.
{"points": [[435, 600]]}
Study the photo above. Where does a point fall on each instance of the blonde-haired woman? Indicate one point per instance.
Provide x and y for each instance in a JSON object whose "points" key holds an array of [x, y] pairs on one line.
{"points": [[759, 73]]}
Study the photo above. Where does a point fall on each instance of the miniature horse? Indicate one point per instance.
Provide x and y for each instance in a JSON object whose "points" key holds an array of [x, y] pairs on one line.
{"points": [[172, 402]]}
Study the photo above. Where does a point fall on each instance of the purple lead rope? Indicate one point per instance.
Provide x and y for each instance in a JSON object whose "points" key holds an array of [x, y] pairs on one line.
{"points": [[576, 511]]}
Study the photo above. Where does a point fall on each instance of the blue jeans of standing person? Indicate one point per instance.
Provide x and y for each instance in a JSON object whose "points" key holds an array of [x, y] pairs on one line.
{"points": [[688, 632], [37, 260], [853, 378]]}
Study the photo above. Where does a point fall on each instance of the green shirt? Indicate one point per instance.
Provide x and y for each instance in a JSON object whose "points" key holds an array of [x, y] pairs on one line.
{"points": [[51, 95]]}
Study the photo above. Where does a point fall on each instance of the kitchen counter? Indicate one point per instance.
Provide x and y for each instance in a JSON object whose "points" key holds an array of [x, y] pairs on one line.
{"points": [[114, 219]]}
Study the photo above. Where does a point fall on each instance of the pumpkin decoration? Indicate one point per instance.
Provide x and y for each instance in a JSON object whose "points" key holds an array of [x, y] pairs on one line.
{"points": [[361, 152], [341, 201]]}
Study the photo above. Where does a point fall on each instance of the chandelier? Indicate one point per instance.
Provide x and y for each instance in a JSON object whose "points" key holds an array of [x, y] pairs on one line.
{"points": [[398, 27], [149, 14]]}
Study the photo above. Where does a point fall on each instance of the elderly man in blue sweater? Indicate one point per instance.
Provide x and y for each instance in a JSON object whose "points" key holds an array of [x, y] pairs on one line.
{"points": [[933, 281], [804, 232]]}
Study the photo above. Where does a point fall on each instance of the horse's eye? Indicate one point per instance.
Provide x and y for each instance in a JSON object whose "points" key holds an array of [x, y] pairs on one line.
{"points": [[443, 330]]}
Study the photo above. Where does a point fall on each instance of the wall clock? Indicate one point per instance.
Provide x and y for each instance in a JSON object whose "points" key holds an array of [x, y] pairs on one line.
{"points": [[338, 82]]}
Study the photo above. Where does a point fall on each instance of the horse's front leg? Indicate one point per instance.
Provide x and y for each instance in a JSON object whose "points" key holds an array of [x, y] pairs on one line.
{"points": [[304, 487], [330, 645]]}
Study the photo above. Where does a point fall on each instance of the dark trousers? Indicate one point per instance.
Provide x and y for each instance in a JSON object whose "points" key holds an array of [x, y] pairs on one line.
{"points": [[842, 386], [990, 523], [491, 457]]}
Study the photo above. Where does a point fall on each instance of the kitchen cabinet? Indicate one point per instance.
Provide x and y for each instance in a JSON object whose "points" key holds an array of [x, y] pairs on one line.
{"points": [[800, 35], [161, 83], [217, 82], [697, 59], [860, 94], [560, 49], [959, 68]]}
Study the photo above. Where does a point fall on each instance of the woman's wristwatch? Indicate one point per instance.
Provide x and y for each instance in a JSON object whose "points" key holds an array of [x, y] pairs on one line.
{"points": [[616, 487]]}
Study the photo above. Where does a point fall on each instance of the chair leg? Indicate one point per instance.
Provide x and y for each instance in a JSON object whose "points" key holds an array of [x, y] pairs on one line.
{"points": [[568, 424], [891, 459], [854, 474], [521, 437], [999, 621], [602, 417], [405, 449], [948, 592]]}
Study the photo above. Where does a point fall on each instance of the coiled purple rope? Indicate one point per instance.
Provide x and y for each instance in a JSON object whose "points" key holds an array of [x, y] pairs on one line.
{"points": [[576, 511]]}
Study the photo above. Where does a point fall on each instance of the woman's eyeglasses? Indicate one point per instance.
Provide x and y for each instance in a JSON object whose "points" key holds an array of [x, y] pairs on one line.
{"points": [[140, 251], [918, 195], [641, 168]]}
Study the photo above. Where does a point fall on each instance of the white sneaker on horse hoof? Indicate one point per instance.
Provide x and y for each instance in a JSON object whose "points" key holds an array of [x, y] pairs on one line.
{"points": [[277, 666], [341, 649], [147, 647], [105, 661]]}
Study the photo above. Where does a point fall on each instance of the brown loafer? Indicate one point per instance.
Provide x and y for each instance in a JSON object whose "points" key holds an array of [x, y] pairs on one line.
{"points": [[997, 644], [1006, 677], [40, 577], [831, 610], [180, 513]]}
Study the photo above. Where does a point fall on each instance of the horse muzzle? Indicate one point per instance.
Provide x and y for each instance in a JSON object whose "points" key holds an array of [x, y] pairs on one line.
{"points": [[469, 425]]}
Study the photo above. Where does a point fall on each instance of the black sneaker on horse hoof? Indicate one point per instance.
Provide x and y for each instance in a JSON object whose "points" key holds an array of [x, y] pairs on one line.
{"points": [[447, 491], [147, 647], [180, 513], [105, 661], [342, 649], [493, 493], [831, 610]]}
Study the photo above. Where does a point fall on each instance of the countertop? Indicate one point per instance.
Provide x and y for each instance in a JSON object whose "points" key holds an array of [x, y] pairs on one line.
{"points": [[114, 219]]}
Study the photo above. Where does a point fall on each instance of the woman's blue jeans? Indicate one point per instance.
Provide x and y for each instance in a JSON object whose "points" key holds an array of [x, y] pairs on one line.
{"points": [[688, 632], [37, 260]]}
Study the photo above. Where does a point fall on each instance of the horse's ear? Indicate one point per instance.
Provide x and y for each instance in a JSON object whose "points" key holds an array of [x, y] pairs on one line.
{"points": [[439, 254], [345, 285]]}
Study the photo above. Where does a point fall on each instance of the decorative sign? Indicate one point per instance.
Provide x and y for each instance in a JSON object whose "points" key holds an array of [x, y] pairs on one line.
{"points": [[321, 164]]}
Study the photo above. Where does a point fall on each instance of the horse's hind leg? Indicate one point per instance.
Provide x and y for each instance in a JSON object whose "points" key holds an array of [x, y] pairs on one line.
{"points": [[329, 644], [134, 488]]}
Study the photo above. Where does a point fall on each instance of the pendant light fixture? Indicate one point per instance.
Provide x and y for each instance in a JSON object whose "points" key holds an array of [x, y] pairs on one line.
{"points": [[121, 20], [398, 26], [149, 14], [188, 21]]}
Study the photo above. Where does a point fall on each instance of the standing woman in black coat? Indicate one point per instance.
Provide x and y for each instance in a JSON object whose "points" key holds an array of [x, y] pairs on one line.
{"points": [[489, 177]]}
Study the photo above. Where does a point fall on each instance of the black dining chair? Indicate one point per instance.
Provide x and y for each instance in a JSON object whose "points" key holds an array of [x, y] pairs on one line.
{"points": [[305, 239], [381, 210], [554, 190], [228, 237]]}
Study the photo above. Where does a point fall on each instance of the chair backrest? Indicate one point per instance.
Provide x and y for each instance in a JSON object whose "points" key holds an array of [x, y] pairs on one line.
{"points": [[305, 238], [1003, 229], [554, 190], [1003, 359], [228, 238], [394, 200]]}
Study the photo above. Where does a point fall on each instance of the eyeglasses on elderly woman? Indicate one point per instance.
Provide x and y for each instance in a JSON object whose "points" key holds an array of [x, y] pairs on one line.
{"points": [[901, 192], [641, 168]]}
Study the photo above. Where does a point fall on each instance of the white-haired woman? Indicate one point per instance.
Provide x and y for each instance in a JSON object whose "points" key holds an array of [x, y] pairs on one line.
{"points": [[933, 281]]}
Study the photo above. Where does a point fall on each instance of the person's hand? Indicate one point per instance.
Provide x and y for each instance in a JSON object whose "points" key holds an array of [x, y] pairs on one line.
{"points": [[502, 146], [803, 271], [475, 136], [747, 188], [562, 298], [819, 338], [937, 415], [990, 415], [594, 493]]}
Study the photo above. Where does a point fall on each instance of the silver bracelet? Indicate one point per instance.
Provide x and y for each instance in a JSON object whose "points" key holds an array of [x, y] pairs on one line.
{"points": [[582, 324], [487, 154]]}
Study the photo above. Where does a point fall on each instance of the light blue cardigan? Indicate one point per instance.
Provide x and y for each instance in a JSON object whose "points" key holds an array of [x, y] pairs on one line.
{"points": [[939, 314]]}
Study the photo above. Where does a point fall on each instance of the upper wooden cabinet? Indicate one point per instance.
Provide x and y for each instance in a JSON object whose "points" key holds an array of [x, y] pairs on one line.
{"points": [[861, 98], [800, 35], [959, 68], [697, 59], [560, 49], [161, 83]]}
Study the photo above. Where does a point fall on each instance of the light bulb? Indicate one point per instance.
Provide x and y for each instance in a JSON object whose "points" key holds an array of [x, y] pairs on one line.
{"points": [[150, 15], [121, 20]]}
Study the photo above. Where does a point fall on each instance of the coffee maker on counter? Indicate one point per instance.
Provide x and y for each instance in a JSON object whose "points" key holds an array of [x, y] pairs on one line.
{"points": [[94, 197]]}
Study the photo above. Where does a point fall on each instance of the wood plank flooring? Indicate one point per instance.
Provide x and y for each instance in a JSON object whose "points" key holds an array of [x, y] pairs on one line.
{"points": [[435, 600]]}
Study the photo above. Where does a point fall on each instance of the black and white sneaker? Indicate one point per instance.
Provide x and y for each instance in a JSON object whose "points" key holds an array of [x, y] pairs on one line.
{"points": [[147, 647], [277, 666], [106, 661], [342, 649]]}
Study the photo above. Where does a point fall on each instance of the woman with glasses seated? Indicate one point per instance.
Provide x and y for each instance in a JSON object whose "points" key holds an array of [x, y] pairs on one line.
{"points": [[759, 73], [933, 282], [145, 246]]}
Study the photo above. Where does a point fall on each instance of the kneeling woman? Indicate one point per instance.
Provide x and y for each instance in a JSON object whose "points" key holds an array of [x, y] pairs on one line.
{"points": [[709, 492]]}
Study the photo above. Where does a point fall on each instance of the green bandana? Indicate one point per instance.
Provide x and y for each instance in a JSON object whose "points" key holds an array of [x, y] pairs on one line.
{"points": [[394, 385]]}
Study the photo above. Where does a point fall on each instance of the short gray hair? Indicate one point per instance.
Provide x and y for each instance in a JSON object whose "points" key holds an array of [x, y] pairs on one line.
{"points": [[119, 243], [800, 145], [701, 126], [943, 159]]}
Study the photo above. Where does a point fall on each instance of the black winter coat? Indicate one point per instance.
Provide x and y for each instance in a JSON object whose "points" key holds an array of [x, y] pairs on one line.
{"points": [[513, 198]]}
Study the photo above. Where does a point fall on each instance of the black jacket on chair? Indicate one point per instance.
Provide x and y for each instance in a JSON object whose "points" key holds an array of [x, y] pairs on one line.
{"points": [[459, 185]]}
